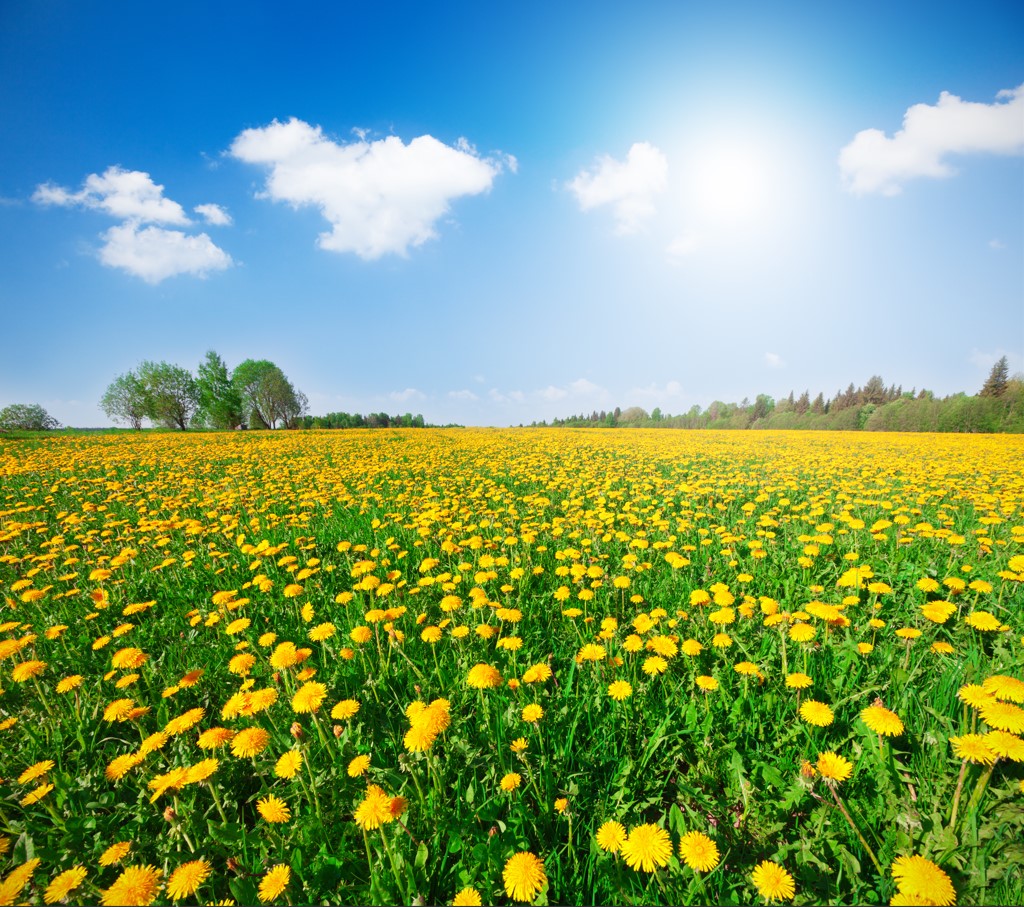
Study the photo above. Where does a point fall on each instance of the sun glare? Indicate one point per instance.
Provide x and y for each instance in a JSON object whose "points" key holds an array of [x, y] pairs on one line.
{"points": [[732, 185]]}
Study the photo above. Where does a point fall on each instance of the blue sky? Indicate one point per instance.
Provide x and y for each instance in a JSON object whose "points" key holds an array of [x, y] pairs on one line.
{"points": [[498, 215]]}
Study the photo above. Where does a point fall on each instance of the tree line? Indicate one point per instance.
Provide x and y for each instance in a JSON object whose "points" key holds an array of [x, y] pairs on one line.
{"points": [[256, 393], [997, 407]]}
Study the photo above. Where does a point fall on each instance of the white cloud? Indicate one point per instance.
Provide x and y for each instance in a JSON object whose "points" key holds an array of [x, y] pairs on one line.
{"points": [[681, 248], [125, 194], [580, 389], [510, 397], [155, 253], [774, 360], [379, 197], [410, 393], [553, 393], [214, 215], [629, 185], [874, 162], [656, 394], [466, 395], [996, 244]]}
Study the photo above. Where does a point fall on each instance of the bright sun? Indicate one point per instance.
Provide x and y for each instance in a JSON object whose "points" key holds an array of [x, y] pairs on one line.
{"points": [[732, 185]]}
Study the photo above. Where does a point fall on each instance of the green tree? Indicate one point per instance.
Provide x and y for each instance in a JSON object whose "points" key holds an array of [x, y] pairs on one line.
{"points": [[763, 407], [171, 393], [125, 400], [26, 417], [220, 404], [998, 378], [267, 396]]}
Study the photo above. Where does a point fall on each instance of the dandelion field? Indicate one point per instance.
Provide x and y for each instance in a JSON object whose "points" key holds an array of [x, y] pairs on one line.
{"points": [[496, 666]]}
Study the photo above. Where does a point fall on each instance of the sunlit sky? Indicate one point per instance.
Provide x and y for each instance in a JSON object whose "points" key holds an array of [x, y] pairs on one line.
{"points": [[494, 214]]}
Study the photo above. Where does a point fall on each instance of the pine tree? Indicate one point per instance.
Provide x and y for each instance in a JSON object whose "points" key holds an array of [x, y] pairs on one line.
{"points": [[995, 386]]}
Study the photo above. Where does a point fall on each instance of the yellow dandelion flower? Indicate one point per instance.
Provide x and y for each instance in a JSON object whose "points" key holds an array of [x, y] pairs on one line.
{"points": [[654, 665], [938, 612], [115, 853], [467, 897], [698, 851], [345, 709], [834, 767], [274, 809], [153, 743], [34, 796], [647, 847], [196, 774], [309, 697], [592, 652], [186, 879], [483, 676], [27, 670], [288, 764], [511, 782], [817, 713], [923, 881], [974, 695], [620, 690], [358, 766], [533, 713], [70, 683], [984, 621], [374, 810], [119, 766], [419, 739], [128, 658], [184, 722], [35, 771], [215, 737], [250, 742], [242, 664], [537, 673], [135, 885], [285, 655], [524, 875], [64, 884], [1003, 687], [611, 836], [17, 879], [882, 721], [1003, 715], [274, 883], [772, 881], [1005, 745]]}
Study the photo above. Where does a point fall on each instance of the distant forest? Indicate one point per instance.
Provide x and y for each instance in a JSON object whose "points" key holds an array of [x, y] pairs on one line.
{"points": [[998, 407]]}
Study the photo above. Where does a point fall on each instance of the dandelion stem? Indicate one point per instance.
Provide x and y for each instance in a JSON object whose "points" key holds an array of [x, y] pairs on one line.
{"points": [[216, 799], [856, 830], [394, 867], [979, 788], [956, 796]]}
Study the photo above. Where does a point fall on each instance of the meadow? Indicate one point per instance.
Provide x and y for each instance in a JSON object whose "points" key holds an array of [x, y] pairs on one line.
{"points": [[505, 666]]}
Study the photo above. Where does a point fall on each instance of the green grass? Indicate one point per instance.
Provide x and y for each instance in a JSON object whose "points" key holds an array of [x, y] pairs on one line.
{"points": [[727, 763]]}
